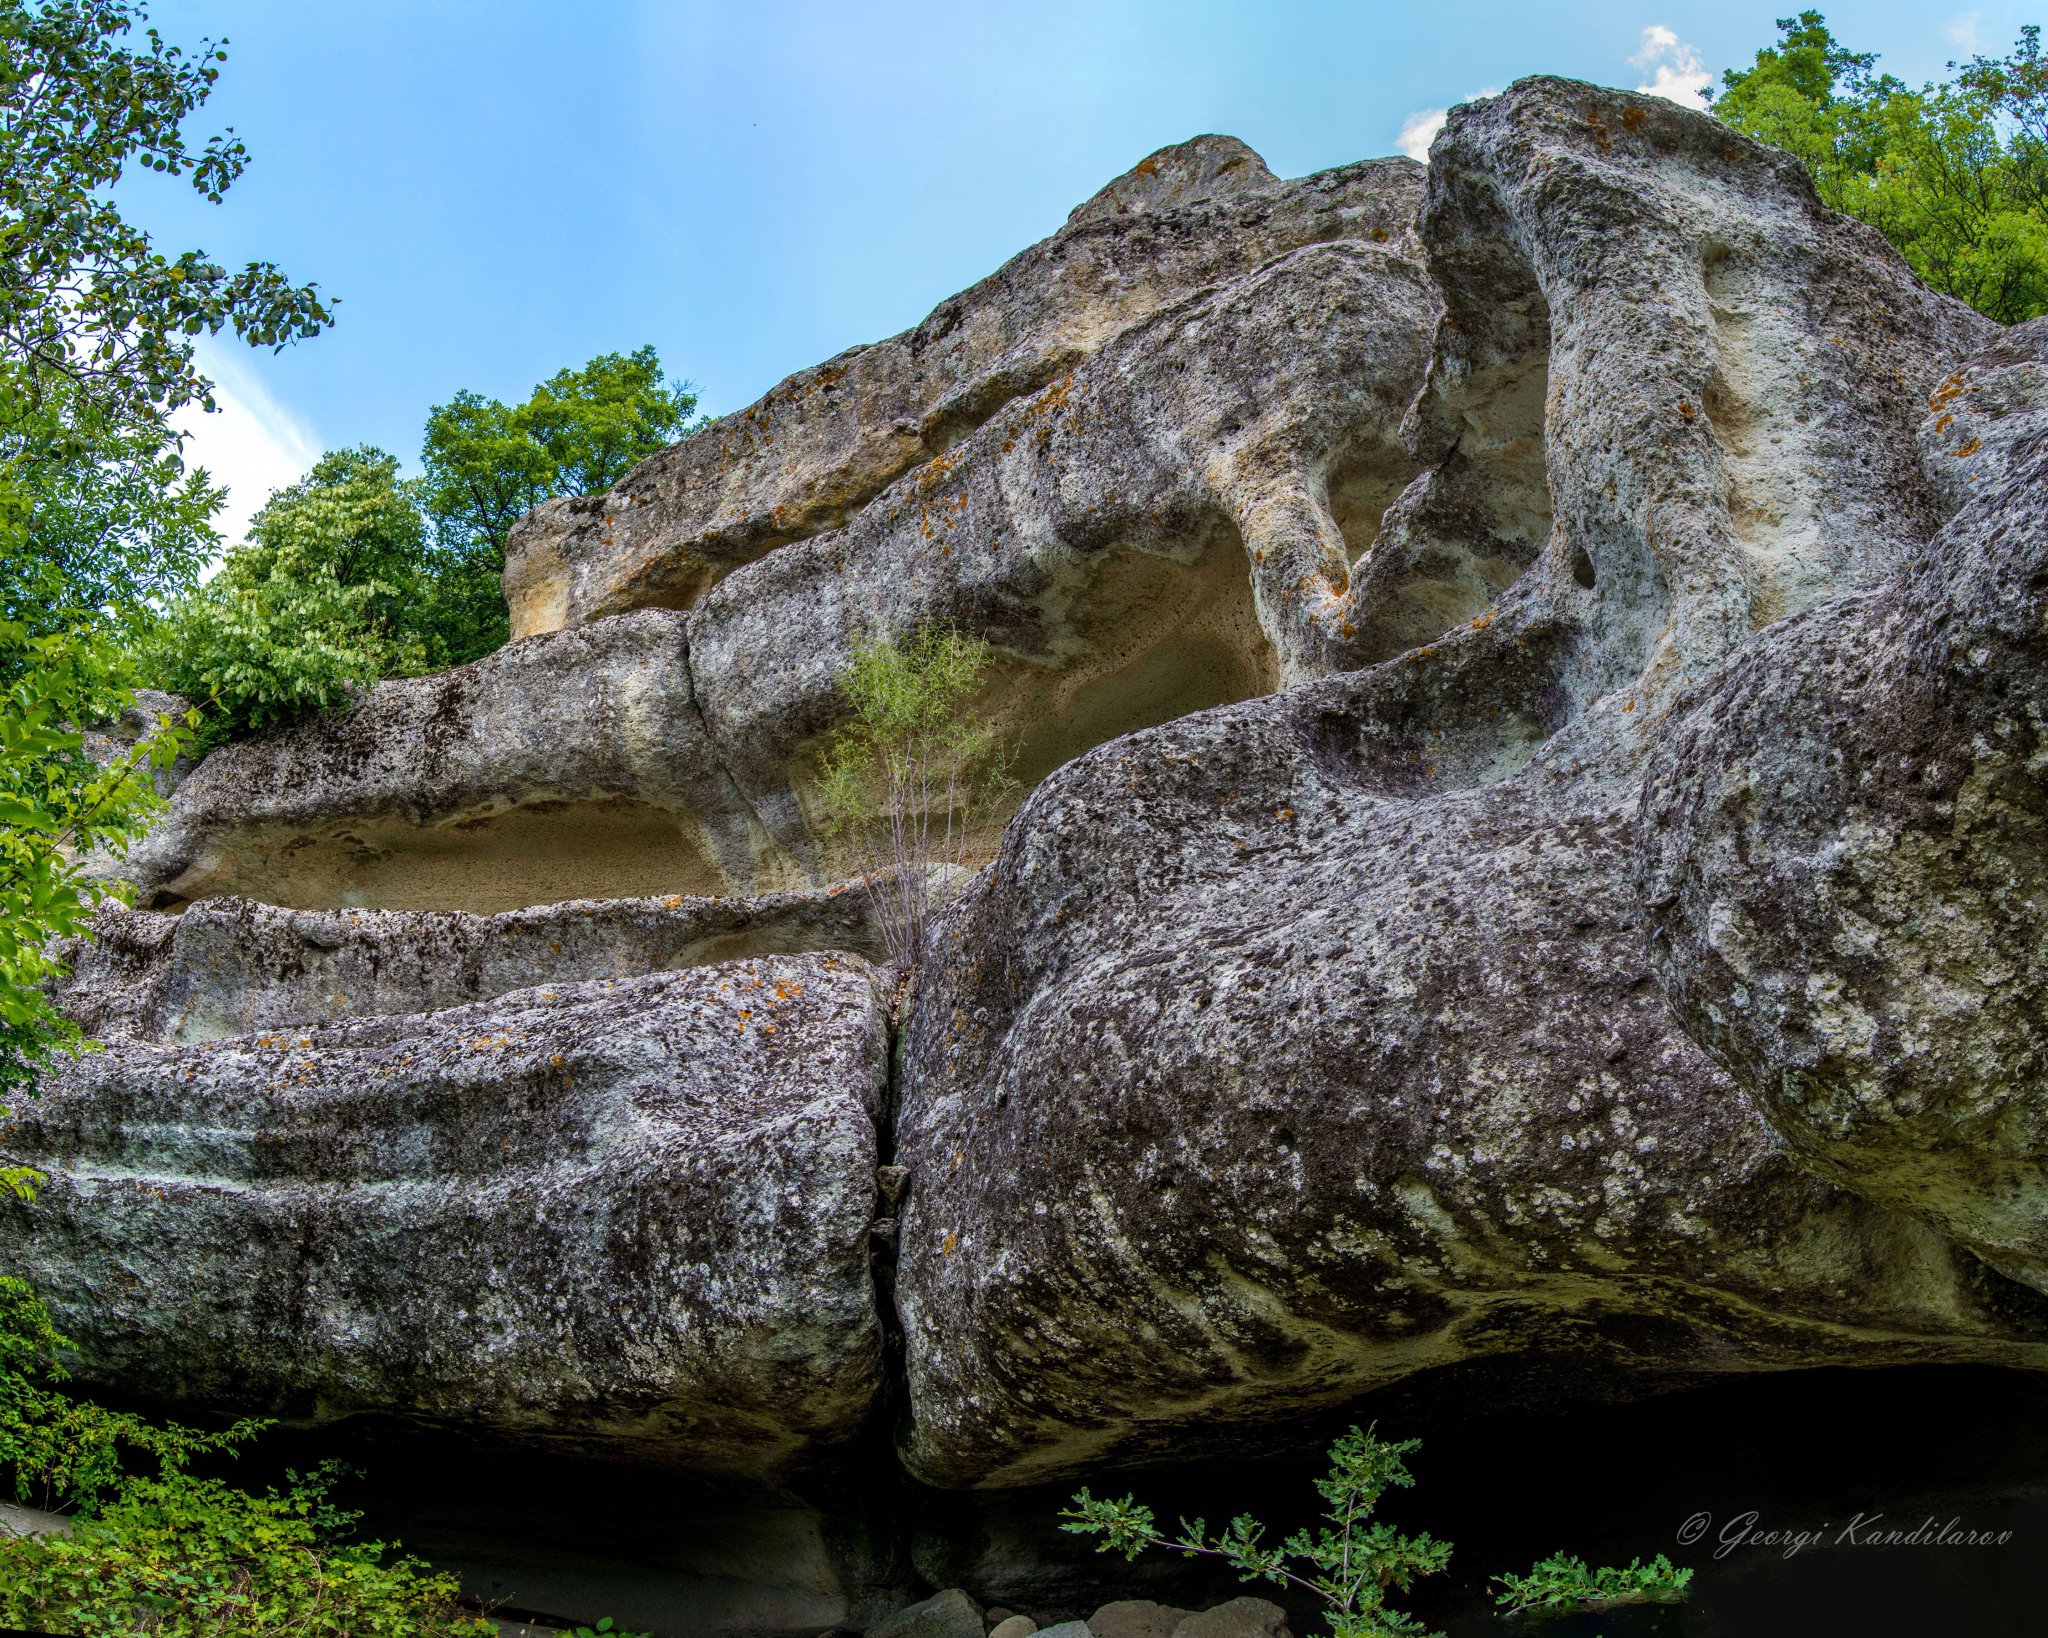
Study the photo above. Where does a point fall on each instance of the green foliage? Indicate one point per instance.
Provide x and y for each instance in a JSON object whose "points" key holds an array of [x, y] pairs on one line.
{"points": [[488, 463], [185, 1557], [354, 573], [908, 776], [56, 805], [604, 1629], [1350, 1564], [330, 592], [99, 520], [1954, 174], [171, 1553], [97, 517], [85, 298], [61, 1451], [1561, 1582], [581, 431]]}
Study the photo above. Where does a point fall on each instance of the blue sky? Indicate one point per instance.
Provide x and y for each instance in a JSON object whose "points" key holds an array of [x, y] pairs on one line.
{"points": [[497, 190]]}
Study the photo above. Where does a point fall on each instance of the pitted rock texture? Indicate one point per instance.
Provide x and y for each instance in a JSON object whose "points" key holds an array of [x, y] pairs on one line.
{"points": [[571, 767], [1845, 846], [822, 444], [621, 1216], [1250, 1079], [1297, 1046], [1167, 525], [1528, 718], [236, 967], [1981, 416]]}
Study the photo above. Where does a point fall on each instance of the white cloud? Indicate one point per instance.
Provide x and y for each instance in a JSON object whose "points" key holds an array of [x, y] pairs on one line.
{"points": [[1419, 129], [251, 443], [1962, 29], [1676, 72]]}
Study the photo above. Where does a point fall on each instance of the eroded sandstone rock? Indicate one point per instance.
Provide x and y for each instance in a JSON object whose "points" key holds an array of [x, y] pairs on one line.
{"points": [[571, 767], [821, 445], [236, 967], [627, 1216], [1845, 846], [1154, 533], [1298, 1046], [1096, 533]]}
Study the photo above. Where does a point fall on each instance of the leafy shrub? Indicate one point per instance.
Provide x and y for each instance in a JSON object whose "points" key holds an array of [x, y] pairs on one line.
{"points": [[175, 1555], [61, 1451], [185, 1557], [907, 778], [1351, 1563], [263, 648], [1350, 1567], [1561, 1582]]}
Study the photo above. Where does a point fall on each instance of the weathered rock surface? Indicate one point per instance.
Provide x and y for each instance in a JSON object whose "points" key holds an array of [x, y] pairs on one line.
{"points": [[1845, 844], [1136, 1618], [1240, 1618], [1167, 525], [1980, 419], [822, 444], [574, 767], [1097, 533], [236, 967], [948, 1614], [628, 1216], [1530, 717], [1300, 1045]]}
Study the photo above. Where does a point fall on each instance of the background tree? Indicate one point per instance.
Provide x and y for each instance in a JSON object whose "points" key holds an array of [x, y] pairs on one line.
{"points": [[331, 591], [97, 516], [488, 463], [356, 573], [1955, 175]]}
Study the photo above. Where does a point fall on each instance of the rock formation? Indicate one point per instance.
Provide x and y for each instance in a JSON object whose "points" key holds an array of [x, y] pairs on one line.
{"points": [[1845, 849], [621, 1213], [1528, 686]]}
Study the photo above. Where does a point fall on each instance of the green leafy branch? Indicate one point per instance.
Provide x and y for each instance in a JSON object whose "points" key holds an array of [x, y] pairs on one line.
{"points": [[1352, 1562], [1562, 1582], [1349, 1564]]}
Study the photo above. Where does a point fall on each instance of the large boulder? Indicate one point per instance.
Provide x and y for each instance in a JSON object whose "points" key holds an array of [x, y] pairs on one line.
{"points": [[1301, 1045], [1845, 850], [627, 1216], [820, 446]]}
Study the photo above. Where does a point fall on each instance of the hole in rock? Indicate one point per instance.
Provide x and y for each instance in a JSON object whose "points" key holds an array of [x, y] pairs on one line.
{"points": [[1149, 639], [1362, 485], [1582, 567], [1157, 640], [537, 853], [1450, 543]]}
